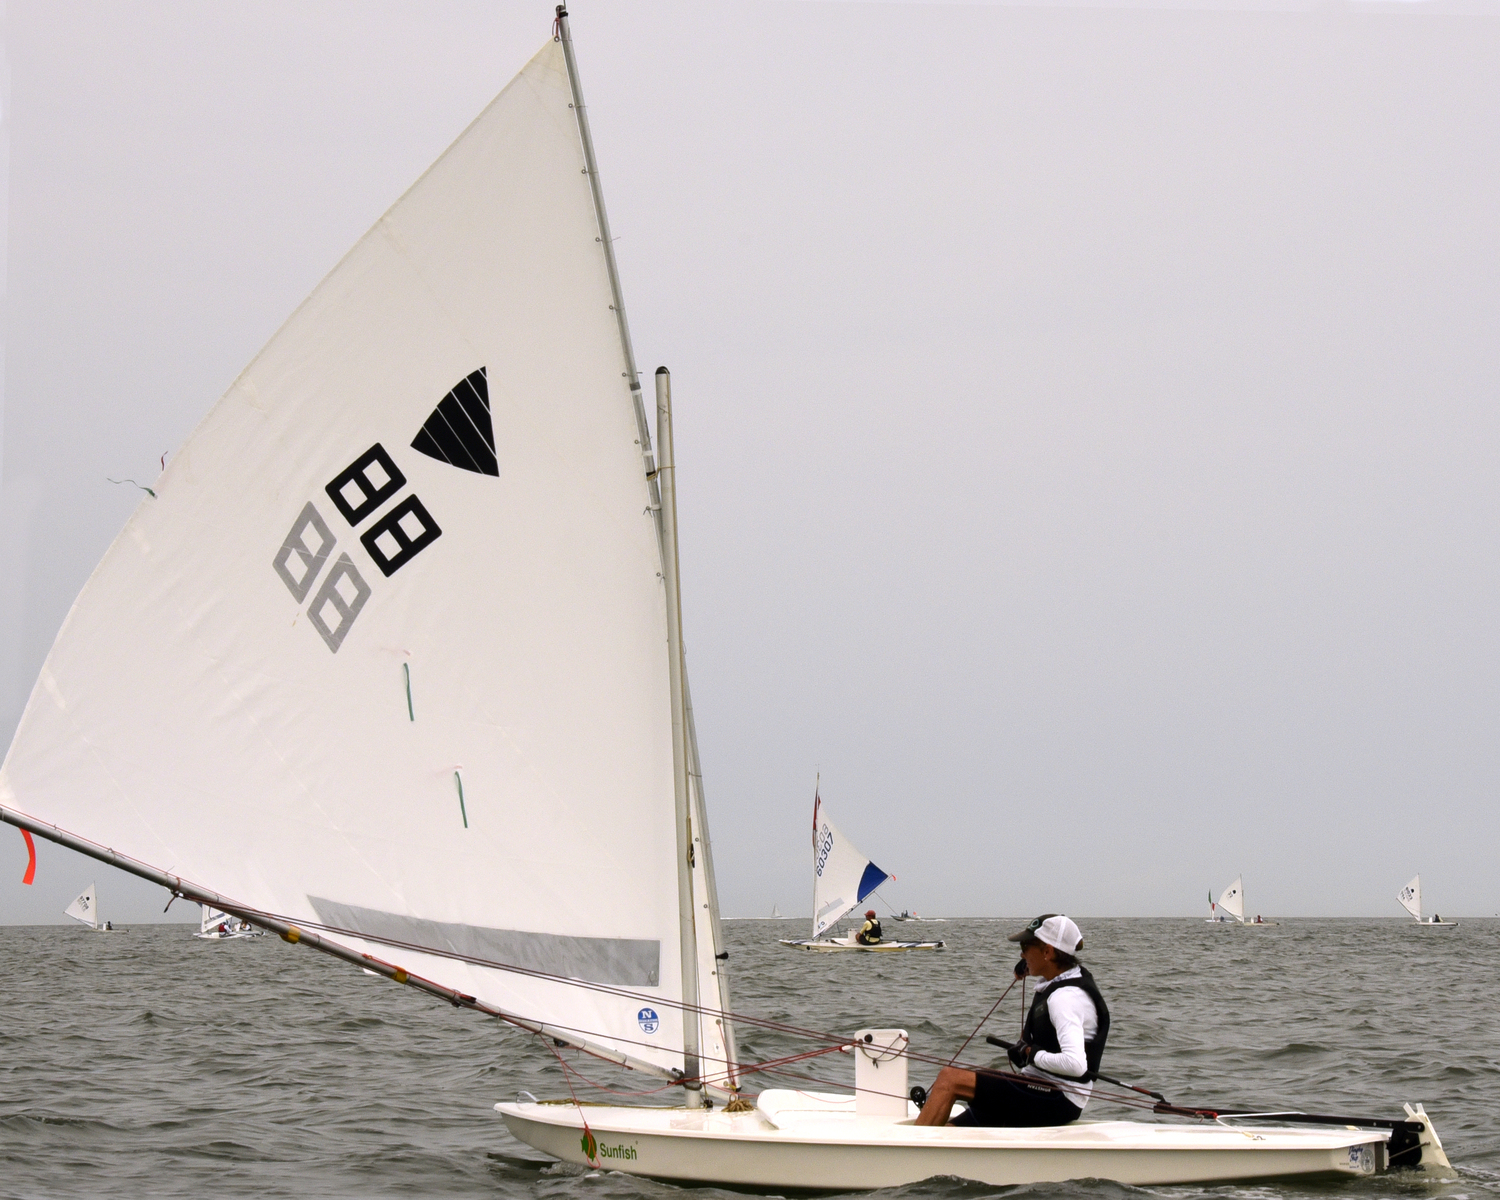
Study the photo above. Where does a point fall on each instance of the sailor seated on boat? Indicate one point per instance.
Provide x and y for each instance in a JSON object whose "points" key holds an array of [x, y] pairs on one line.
{"points": [[1061, 1046], [869, 932]]}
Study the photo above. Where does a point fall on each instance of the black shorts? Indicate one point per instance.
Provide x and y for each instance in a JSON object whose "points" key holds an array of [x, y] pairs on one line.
{"points": [[1002, 1100]]}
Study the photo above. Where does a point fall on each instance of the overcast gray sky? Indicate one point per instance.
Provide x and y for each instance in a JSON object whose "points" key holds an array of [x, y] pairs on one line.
{"points": [[1087, 416]]}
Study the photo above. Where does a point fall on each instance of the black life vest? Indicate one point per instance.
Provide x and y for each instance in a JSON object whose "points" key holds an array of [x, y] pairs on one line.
{"points": [[1038, 1030], [869, 935]]}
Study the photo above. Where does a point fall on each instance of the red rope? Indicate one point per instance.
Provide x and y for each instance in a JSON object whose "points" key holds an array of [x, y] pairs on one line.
{"points": [[590, 1144]]}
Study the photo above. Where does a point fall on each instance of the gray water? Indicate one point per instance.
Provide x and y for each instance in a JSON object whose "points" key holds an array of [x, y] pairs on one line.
{"points": [[155, 1064]]}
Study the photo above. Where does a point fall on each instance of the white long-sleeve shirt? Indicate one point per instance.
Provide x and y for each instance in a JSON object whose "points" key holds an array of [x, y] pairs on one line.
{"points": [[1075, 1019]]}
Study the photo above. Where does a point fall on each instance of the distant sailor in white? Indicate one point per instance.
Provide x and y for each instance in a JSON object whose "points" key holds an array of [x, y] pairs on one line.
{"points": [[1061, 1046]]}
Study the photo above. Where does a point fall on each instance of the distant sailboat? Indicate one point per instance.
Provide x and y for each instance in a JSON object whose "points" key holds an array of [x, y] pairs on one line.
{"points": [[217, 925], [776, 913], [842, 878], [1411, 899], [86, 909], [1232, 901]]}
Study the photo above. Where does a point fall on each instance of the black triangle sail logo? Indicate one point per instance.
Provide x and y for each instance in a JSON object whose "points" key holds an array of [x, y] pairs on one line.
{"points": [[459, 431]]}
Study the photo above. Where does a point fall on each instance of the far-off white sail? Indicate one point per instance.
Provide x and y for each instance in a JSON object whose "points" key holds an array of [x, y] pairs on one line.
{"points": [[85, 908], [397, 604], [1232, 900], [1411, 896]]}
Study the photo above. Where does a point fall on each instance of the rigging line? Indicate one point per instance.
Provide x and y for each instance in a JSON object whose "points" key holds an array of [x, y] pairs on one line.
{"points": [[705, 1078], [776, 1069], [589, 1143], [730, 1067], [582, 1078], [986, 1017]]}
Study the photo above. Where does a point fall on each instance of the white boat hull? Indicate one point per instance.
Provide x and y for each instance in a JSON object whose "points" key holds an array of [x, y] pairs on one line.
{"points": [[835, 1149], [831, 944]]}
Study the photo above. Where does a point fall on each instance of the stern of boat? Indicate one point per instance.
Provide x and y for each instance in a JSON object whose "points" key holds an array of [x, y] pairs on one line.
{"points": [[1431, 1156]]}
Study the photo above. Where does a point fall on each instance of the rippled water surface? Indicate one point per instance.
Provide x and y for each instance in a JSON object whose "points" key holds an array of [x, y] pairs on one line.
{"points": [[154, 1064]]}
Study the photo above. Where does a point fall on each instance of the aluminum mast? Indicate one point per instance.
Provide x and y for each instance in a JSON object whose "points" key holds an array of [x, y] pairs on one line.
{"points": [[663, 496], [666, 477]]}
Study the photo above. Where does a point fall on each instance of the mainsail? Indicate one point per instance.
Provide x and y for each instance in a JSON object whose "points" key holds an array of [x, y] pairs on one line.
{"points": [[85, 908], [1233, 899], [1411, 896], [842, 876], [399, 602]]}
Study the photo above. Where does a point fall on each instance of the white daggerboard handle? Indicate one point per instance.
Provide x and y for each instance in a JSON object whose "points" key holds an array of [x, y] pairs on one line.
{"points": [[1433, 1157], [880, 1073]]}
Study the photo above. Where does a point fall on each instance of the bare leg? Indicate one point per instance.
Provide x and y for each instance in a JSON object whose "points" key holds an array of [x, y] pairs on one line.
{"points": [[950, 1085]]}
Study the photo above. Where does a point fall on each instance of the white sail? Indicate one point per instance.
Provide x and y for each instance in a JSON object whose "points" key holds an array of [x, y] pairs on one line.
{"points": [[212, 918], [842, 876], [1232, 900], [85, 908], [398, 602], [1411, 897]]}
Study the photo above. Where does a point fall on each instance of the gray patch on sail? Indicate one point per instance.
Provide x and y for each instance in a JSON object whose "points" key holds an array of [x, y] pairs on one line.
{"points": [[628, 962], [329, 596], [312, 560]]}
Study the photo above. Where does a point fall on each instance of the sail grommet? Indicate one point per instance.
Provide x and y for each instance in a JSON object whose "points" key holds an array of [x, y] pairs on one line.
{"points": [[292, 934]]}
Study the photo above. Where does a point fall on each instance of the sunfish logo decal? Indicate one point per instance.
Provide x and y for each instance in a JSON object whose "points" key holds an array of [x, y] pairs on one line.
{"points": [[459, 431]]}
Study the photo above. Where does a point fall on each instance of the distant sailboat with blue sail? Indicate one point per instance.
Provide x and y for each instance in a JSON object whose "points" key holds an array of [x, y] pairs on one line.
{"points": [[842, 879]]}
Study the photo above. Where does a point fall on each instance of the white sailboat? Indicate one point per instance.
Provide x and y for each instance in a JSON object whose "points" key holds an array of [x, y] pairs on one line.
{"points": [[85, 909], [1232, 902], [842, 878], [1410, 898], [218, 926], [409, 596]]}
